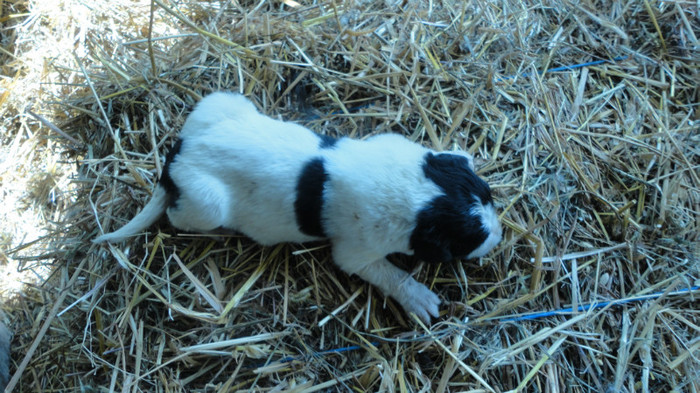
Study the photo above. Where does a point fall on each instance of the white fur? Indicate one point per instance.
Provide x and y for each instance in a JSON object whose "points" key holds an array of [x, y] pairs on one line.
{"points": [[146, 217], [489, 221], [239, 169], [247, 179]]}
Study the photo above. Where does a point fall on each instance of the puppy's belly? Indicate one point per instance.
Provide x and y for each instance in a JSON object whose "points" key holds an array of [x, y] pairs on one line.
{"points": [[267, 216], [269, 230]]}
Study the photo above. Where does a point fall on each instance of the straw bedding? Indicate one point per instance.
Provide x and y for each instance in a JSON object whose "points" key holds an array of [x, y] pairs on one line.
{"points": [[594, 167]]}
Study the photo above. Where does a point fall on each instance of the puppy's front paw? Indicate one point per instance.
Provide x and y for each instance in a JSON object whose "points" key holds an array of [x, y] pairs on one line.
{"points": [[416, 297]]}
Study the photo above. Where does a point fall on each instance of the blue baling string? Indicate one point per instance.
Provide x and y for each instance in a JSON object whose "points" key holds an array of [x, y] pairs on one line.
{"points": [[314, 116], [568, 67], [590, 63], [524, 317], [328, 352], [535, 315], [590, 306]]}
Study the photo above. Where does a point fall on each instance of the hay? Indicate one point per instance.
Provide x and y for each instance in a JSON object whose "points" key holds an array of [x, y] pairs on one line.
{"points": [[594, 167]]}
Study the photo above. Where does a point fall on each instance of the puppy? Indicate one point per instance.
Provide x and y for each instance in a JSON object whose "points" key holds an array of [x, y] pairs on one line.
{"points": [[234, 168]]}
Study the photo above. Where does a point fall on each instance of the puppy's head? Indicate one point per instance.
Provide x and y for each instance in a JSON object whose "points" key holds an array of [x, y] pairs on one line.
{"points": [[460, 223]]}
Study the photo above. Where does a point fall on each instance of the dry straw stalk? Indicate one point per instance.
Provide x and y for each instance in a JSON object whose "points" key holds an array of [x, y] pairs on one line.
{"points": [[583, 117]]}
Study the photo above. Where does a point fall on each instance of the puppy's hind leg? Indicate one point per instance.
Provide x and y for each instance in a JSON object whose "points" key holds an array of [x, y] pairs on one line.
{"points": [[203, 206]]}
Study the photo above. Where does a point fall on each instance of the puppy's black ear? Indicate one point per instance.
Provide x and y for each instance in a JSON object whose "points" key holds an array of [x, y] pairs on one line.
{"points": [[431, 250], [462, 155], [447, 227], [430, 241], [454, 174]]}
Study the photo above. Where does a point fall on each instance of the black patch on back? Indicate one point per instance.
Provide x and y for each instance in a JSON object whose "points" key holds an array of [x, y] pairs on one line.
{"points": [[327, 142], [309, 202], [445, 227], [165, 180]]}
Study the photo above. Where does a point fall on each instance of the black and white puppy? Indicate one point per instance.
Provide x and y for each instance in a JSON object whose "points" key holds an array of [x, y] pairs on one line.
{"points": [[275, 181]]}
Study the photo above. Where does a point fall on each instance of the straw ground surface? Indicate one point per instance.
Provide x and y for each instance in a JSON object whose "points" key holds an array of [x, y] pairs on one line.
{"points": [[594, 168]]}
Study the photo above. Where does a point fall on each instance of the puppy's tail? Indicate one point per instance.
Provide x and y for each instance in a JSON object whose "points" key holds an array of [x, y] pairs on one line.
{"points": [[146, 217]]}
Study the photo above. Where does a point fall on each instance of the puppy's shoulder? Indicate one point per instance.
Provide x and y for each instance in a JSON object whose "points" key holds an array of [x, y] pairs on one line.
{"points": [[395, 146], [390, 140]]}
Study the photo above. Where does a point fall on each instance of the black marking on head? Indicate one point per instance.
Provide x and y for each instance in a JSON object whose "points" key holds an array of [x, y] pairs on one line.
{"points": [[309, 202], [452, 173], [166, 180], [446, 228], [327, 142]]}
